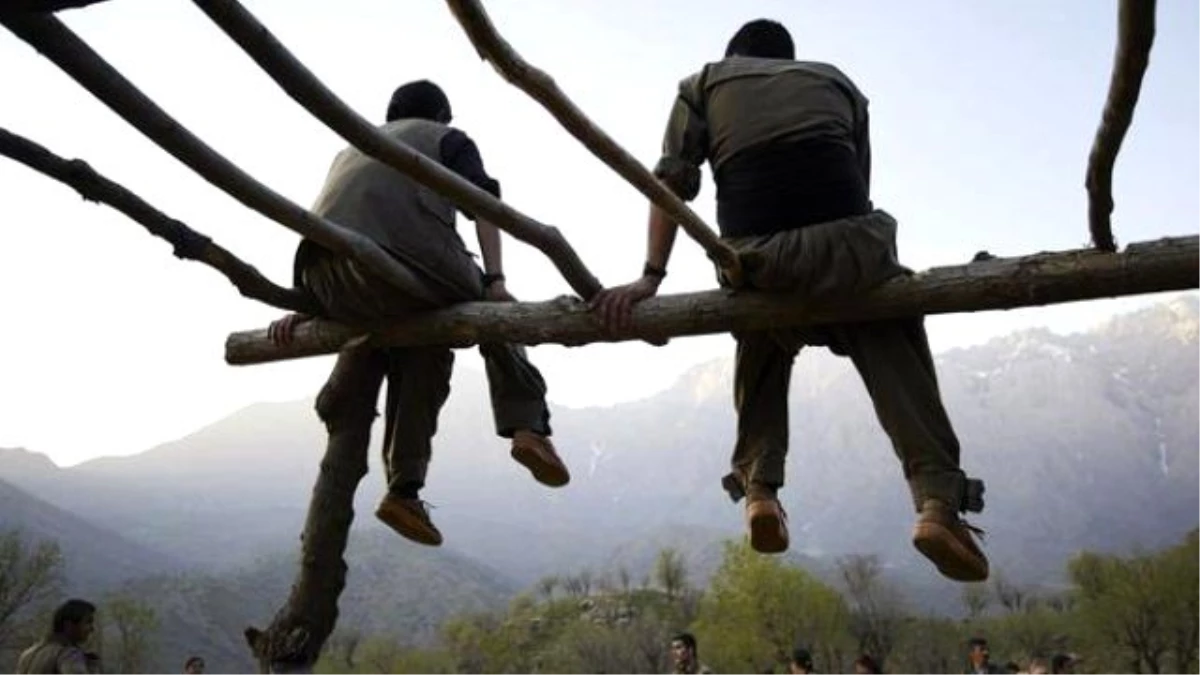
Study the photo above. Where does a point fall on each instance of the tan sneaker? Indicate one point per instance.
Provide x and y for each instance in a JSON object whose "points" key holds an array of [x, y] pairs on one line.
{"points": [[409, 518], [766, 520], [948, 542], [536, 453]]}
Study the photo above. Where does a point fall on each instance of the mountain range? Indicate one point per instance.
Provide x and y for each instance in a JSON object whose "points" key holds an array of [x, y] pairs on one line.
{"points": [[1085, 441]]}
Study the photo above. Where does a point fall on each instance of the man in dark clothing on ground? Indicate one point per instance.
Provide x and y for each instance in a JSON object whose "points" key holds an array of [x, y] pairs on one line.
{"points": [[62, 650], [416, 226], [789, 147], [979, 656]]}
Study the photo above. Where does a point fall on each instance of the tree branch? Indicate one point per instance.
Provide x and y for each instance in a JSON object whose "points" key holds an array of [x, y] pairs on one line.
{"points": [[52, 5], [542, 88], [59, 44], [304, 87], [999, 283], [1135, 35], [188, 243]]}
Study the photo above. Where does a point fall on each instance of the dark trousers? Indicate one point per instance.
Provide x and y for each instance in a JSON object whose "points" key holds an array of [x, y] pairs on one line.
{"points": [[820, 263], [418, 378]]}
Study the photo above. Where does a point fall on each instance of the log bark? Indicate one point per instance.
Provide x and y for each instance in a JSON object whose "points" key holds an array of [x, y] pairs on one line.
{"points": [[1168, 264], [1135, 36], [542, 88], [58, 43], [307, 90], [188, 244]]}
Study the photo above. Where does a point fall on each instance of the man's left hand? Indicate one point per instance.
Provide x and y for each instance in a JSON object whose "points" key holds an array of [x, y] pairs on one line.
{"points": [[282, 330]]}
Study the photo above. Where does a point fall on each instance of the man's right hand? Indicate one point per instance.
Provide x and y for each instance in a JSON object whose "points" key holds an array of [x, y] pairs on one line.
{"points": [[282, 330], [616, 304]]}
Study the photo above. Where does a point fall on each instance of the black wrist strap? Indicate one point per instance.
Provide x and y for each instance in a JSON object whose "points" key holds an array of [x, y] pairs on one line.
{"points": [[651, 271], [489, 279]]}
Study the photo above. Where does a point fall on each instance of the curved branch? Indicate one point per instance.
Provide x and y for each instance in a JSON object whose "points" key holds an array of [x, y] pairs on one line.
{"points": [[1135, 35], [1169, 264], [188, 243], [59, 44], [542, 88], [304, 87]]}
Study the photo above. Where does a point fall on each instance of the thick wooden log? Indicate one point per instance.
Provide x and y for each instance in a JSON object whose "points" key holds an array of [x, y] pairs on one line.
{"points": [[998, 283], [58, 43], [542, 88], [1135, 36], [304, 87], [188, 243]]}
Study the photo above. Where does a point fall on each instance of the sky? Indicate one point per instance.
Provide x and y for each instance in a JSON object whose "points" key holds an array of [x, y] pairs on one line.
{"points": [[982, 117]]}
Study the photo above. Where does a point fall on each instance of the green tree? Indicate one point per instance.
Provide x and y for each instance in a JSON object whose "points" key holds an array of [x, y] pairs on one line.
{"points": [[30, 575], [128, 629], [671, 572], [757, 609], [876, 608]]}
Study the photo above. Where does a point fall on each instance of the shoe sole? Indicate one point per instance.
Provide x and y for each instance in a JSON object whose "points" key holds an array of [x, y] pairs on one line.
{"points": [[955, 561], [410, 527], [543, 472], [767, 534]]}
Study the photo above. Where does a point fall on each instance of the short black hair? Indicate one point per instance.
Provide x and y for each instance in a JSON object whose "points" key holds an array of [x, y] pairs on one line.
{"points": [[421, 99], [1060, 661], [192, 659], [868, 664], [71, 611], [977, 642], [687, 639], [762, 38], [802, 657]]}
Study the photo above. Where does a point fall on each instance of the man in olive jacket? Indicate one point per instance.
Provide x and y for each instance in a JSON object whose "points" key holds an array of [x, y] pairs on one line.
{"points": [[789, 146]]}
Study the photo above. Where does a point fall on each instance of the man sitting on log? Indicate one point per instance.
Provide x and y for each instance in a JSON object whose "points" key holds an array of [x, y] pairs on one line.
{"points": [[417, 226], [789, 148]]}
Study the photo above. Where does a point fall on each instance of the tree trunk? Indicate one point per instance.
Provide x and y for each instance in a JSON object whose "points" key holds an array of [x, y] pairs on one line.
{"points": [[1168, 264], [296, 635]]}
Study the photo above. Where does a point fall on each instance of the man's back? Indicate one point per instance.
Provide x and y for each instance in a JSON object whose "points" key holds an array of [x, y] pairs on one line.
{"points": [[787, 140], [53, 656]]}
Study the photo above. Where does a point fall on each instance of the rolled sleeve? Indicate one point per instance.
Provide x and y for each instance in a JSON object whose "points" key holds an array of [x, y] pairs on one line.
{"points": [[461, 155], [685, 143]]}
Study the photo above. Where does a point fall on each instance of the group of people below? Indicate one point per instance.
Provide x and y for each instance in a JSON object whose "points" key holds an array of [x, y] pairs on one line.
{"points": [[789, 148], [685, 658]]}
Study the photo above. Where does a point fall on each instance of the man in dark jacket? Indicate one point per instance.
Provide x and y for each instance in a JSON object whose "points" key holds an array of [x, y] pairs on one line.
{"points": [[417, 227], [789, 146]]}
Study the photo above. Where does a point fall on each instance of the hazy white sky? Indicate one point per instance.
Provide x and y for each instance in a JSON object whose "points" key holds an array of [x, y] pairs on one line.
{"points": [[983, 113]]}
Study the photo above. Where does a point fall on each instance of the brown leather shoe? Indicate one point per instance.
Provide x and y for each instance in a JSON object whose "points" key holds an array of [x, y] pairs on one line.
{"points": [[766, 520], [948, 542], [536, 453], [409, 518]]}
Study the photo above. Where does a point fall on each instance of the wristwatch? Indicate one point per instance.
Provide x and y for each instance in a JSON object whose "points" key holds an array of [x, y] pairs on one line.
{"points": [[489, 279]]}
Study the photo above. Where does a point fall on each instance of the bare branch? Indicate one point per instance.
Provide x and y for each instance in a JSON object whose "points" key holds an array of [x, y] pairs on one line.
{"points": [[188, 243], [51, 5], [542, 88], [59, 44], [304, 87], [1168, 264], [1135, 35]]}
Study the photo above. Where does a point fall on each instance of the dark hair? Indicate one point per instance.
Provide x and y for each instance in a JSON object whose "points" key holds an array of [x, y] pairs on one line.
{"points": [[802, 658], [867, 664], [421, 99], [71, 611], [1060, 661], [976, 642], [192, 659], [687, 639], [762, 38]]}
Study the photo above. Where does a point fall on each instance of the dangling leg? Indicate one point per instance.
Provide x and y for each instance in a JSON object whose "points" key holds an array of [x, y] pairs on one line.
{"points": [[418, 385], [897, 368], [763, 371], [518, 395]]}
